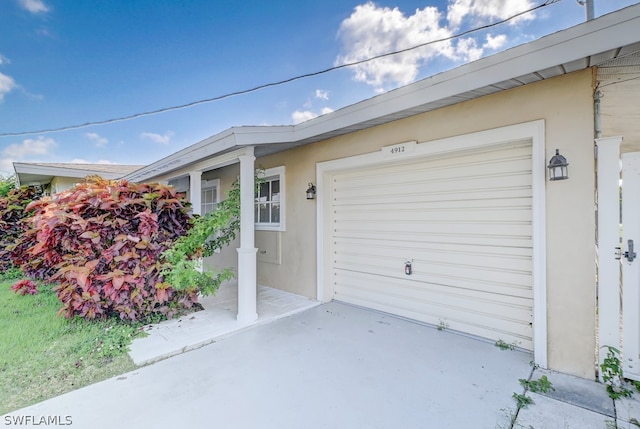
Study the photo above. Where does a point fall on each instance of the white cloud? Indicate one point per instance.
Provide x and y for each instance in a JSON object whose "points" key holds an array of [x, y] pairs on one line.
{"points": [[29, 148], [495, 42], [7, 84], [302, 115], [34, 6], [476, 10], [467, 49], [373, 30], [4, 60], [322, 94], [97, 139], [158, 138], [84, 161]]}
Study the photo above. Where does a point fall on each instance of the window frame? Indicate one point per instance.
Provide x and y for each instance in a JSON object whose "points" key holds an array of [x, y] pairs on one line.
{"points": [[271, 174], [208, 185]]}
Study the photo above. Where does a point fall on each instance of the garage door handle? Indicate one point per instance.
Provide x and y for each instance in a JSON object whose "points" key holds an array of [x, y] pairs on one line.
{"points": [[630, 254]]}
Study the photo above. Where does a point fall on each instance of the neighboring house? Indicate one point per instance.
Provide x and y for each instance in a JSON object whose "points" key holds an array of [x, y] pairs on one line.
{"points": [[57, 177], [433, 201]]}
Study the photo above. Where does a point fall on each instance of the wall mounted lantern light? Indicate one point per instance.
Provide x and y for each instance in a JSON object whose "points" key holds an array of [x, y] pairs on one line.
{"points": [[558, 167], [311, 192]]}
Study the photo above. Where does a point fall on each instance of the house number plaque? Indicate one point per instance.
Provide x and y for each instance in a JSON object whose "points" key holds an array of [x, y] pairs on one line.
{"points": [[399, 149]]}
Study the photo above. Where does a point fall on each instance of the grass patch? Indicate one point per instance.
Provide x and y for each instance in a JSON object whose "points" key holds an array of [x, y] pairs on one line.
{"points": [[44, 355]]}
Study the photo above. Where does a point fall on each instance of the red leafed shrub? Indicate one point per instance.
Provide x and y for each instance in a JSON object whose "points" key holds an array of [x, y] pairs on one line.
{"points": [[12, 212], [25, 287], [102, 241]]}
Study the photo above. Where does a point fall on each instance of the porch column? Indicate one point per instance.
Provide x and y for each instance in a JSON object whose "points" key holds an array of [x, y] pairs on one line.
{"points": [[608, 239], [195, 191], [247, 260], [195, 197]]}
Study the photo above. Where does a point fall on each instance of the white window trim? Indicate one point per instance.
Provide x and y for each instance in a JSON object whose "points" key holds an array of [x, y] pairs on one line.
{"points": [[210, 184], [281, 226]]}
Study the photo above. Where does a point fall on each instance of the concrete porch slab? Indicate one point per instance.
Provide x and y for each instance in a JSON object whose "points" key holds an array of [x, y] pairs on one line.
{"points": [[217, 320]]}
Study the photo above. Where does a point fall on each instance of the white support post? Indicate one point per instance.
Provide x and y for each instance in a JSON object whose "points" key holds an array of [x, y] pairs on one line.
{"points": [[608, 239], [195, 195], [195, 191], [247, 253]]}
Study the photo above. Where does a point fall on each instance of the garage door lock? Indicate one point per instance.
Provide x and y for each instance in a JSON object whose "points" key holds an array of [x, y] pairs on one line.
{"points": [[407, 268]]}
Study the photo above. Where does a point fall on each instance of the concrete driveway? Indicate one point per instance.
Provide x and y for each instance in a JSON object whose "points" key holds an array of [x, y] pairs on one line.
{"points": [[333, 366]]}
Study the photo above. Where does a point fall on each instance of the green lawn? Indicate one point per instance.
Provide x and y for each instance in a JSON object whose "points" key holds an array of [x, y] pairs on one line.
{"points": [[43, 355]]}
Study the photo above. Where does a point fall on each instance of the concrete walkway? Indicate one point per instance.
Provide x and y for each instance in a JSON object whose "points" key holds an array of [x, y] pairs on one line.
{"points": [[334, 366], [216, 321]]}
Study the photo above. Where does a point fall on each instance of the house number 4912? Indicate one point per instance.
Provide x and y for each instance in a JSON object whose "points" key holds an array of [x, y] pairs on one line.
{"points": [[400, 148]]}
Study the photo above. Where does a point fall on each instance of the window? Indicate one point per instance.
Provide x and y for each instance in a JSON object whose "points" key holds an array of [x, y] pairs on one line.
{"points": [[210, 196], [269, 201]]}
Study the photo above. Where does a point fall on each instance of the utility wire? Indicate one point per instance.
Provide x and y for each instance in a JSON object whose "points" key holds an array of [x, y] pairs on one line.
{"points": [[272, 84]]}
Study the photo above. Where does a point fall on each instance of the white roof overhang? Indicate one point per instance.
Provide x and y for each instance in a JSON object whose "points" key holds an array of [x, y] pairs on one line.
{"points": [[42, 173]]}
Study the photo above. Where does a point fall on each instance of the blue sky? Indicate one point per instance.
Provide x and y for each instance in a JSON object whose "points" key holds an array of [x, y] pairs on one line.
{"points": [[64, 63]]}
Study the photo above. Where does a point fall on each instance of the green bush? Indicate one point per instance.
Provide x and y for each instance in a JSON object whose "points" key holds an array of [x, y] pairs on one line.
{"points": [[209, 233]]}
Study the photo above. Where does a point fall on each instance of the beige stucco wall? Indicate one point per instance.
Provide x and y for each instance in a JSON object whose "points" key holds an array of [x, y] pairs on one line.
{"points": [[59, 184], [565, 103]]}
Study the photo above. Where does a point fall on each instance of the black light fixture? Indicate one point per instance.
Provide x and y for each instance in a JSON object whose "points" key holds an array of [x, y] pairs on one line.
{"points": [[558, 167], [311, 191]]}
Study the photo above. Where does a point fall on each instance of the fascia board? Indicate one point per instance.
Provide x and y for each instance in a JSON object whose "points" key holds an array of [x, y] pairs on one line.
{"points": [[207, 147], [42, 170]]}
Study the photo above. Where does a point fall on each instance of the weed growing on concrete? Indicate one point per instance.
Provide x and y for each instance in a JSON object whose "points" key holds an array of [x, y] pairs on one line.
{"points": [[504, 346], [541, 385], [522, 400], [612, 375], [442, 325]]}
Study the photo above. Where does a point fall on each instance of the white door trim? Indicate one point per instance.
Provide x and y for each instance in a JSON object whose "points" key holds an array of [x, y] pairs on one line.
{"points": [[608, 239], [388, 154], [630, 270]]}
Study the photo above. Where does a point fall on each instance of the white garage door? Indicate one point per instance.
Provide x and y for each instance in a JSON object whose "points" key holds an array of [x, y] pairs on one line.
{"points": [[464, 221]]}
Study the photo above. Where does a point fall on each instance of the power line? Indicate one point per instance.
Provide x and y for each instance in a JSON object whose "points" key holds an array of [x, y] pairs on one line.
{"points": [[278, 83]]}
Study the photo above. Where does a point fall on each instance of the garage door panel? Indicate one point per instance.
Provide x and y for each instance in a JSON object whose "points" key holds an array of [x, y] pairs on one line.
{"points": [[415, 186], [486, 229], [453, 299], [469, 215], [445, 202], [403, 199], [467, 278], [465, 221], [509, 321], [425, 259], [402, 245], [410, 237], [510, 286]]}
